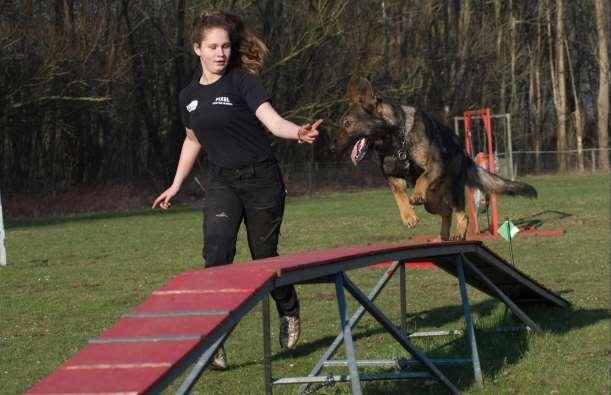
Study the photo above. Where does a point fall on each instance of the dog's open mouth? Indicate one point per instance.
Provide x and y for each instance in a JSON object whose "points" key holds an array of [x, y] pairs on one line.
{"points": [[359, 150]]}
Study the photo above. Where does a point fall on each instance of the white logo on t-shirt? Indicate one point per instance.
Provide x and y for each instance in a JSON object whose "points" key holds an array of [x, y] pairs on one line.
{"points": [[192, 106], [224, 100]]}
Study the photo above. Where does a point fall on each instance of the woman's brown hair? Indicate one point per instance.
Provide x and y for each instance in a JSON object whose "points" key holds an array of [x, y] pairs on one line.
{"points": [[247, 50]]}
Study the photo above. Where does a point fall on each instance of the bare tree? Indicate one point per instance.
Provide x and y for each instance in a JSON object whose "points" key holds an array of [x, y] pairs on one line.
{"points": [[602, 30], [500, 31], [578, 121], [535, 92], [513, 56], [557, 69]]}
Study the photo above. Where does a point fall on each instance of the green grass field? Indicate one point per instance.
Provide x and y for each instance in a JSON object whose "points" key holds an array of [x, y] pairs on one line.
{"points": [[70, 278]]}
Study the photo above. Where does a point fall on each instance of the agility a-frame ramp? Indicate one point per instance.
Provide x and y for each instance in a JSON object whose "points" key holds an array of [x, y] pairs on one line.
{"points": [[182, 324]]}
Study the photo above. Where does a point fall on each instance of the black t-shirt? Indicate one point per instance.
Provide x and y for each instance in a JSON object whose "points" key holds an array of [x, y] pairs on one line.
{"points": [[222, 115]]}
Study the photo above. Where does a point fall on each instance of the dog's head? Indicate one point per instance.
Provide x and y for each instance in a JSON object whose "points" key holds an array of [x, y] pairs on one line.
{"points": [[366, 120]]}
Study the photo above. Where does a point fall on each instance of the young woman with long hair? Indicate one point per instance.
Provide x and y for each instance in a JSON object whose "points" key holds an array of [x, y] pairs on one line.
{"points": [[224, 112]]}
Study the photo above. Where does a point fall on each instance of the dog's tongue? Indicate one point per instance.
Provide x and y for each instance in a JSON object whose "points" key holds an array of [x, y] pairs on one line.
{"points": [[356, 150]]}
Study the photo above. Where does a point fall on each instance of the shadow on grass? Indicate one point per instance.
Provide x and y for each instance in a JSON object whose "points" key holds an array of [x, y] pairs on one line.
{"points": [[538, 219], [561, 321], [496, 350]]}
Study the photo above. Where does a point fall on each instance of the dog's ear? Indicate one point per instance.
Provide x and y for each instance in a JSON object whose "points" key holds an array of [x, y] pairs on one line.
{"points": [[360, 91]]}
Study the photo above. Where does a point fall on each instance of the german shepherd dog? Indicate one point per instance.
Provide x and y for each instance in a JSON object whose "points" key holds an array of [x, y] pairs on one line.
{"points": [[417, 151]]}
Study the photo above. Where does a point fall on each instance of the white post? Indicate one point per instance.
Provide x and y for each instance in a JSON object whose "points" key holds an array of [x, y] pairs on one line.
{"points": [[2, 249]]}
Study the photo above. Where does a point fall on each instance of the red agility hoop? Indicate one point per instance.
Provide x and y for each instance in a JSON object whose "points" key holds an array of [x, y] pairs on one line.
{"points": [[484, 114]]}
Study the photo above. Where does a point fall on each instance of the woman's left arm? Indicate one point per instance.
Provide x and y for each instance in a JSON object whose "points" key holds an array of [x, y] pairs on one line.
{"points": [[285, 129]]}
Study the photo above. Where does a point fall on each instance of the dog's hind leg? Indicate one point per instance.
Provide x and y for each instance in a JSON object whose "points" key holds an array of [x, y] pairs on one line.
{"points": [[446, 223], [408, 215], [436, 204], [457, 202], [462, 221]]}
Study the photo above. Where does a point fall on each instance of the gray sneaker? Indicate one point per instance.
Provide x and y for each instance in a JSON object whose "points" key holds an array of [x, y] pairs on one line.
{"points": [[219, 360], [289, 331]]}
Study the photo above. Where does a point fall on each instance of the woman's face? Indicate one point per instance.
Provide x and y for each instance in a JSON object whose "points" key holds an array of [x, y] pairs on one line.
{"points": [[214, 51]]}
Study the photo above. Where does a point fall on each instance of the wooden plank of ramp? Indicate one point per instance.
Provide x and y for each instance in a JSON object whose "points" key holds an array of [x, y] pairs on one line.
{"points": [[113, 368], [163, 326], [220, 277]]}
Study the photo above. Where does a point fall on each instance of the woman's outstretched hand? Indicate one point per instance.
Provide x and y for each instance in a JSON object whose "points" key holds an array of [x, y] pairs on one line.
{"points": [[164, 200], [309, 132]]}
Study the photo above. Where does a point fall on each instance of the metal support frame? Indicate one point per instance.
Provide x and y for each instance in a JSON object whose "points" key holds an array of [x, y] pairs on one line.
{"points": [[402, 363], [342, 282], [355, 382], [346, 336], [353, 321], [403, 298], [267, 347], [508, 302], [477, 371], [399, 337]]}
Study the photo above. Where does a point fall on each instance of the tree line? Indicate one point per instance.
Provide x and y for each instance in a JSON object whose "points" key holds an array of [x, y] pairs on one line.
{"points": [[89, 89]]}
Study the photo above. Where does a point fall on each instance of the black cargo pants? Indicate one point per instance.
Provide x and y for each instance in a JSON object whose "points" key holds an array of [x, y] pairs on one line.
{"points": [[254, 194]]}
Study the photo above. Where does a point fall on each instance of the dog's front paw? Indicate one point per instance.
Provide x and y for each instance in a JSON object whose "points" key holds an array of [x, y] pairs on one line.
{"points": [[416, 200], [409, 220], [458, 237]]}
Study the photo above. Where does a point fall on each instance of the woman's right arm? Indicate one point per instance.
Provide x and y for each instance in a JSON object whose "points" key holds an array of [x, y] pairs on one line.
{"points": [[190, 148]]}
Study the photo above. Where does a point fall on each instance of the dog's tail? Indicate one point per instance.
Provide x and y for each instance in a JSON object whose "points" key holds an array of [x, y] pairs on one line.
{"points": [[480, 178]]}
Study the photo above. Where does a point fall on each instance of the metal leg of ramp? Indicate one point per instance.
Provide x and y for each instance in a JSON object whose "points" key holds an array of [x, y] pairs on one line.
{"points": [[477, 371], [347, 334], [403, 298], [267, 348], [508, 302]]}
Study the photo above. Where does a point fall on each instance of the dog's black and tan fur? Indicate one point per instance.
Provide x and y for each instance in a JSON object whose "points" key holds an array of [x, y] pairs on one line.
{"points": [[417, 151]]}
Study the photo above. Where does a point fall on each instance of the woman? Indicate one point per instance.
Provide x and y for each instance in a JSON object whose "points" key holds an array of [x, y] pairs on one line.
{"points": [[224, 112]]}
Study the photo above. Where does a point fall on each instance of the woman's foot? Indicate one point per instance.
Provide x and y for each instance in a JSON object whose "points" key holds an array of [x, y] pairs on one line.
{"points": [[219, 360], [289, 331]]}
